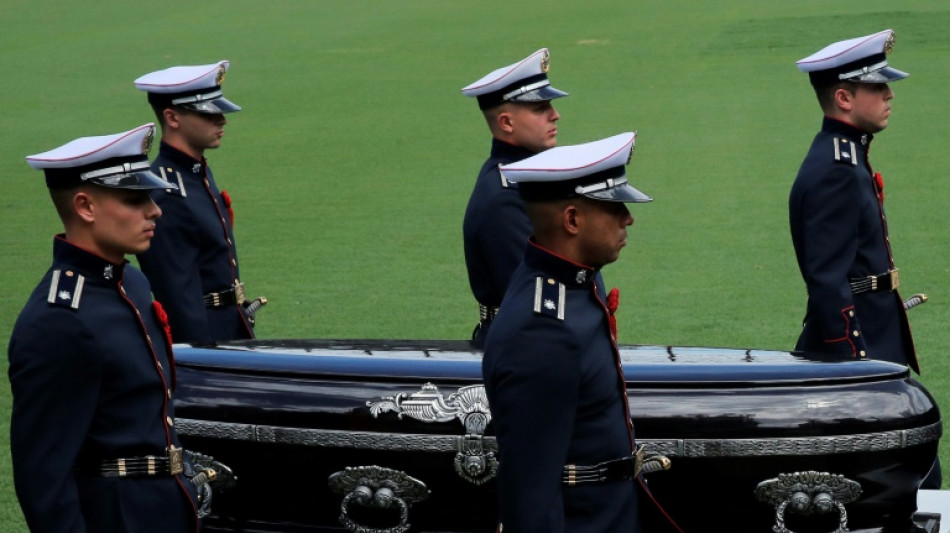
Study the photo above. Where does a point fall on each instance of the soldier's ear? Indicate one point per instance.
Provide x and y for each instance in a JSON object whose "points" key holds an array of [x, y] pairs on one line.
{"points": [[571, 219], [84, 206], [504, 122], [843, 99], [170, 118]]}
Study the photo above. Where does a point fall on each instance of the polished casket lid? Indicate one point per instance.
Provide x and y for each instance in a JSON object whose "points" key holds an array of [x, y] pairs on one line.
{"points": [[449, 359]]}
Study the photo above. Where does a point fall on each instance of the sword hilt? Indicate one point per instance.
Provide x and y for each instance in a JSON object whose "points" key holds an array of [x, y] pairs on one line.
{"points": [[255, 305], [252, 308], [915, 300]]}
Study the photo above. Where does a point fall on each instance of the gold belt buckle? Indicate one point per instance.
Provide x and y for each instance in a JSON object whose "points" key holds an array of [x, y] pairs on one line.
{"points": [[239, 295], [176, 463], [895, 279]]}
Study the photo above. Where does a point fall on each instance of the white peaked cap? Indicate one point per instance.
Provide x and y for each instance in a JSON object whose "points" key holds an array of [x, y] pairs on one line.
{"points": [[596, 169], [119, 160]]}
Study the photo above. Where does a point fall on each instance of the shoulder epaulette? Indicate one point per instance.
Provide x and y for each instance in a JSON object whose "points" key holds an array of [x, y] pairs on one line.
{"points": [[65, 289], [845, 152], [549, 297], [166, 173]]}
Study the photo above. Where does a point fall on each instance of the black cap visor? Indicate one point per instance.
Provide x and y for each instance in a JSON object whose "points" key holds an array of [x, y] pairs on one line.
{"points": [[218, 106], [531, 89], [884, 75], [136, 180], [607, 185], [209, 101], [541, 94], [871, 69], [115, 173], [610, 185], [620, 193]]}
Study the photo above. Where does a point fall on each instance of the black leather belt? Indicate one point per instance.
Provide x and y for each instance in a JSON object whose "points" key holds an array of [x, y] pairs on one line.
{"points": [[170, 464], [230, 296], [887, 281], [486, 313], [626, 468]]}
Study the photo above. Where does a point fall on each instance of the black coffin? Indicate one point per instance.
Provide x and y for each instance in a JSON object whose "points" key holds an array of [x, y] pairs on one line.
{"points": [[755, 438]]}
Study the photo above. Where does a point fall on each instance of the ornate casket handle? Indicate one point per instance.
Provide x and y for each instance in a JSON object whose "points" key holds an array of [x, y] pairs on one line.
{"points": [[808, 493], [207, 475], [380, 488]]}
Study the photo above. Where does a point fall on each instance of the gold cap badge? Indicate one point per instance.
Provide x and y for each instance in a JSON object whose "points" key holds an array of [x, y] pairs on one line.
{"points": [[147, 140], [889, 43], [545, 62], [632, 148], [220, 77]]}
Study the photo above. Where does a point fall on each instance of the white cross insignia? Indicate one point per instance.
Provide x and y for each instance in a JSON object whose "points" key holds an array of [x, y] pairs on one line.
{"points": [[549, 304], [64, 295]]}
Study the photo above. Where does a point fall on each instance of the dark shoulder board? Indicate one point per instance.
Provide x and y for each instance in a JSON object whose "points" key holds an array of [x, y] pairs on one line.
{"points": [[844, 151], [549, 297], [65, 289]]}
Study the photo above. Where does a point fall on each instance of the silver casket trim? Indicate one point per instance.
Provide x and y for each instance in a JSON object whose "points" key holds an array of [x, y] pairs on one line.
{"points": [[694, 448]]}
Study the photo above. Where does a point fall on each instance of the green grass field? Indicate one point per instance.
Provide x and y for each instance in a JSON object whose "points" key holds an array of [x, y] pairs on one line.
{"points": [[353, 159]]}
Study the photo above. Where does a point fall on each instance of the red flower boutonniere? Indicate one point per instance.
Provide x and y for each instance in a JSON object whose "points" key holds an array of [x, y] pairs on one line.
{"points": [[613, 301], [162, 318], [227, 203], [879, 181]]}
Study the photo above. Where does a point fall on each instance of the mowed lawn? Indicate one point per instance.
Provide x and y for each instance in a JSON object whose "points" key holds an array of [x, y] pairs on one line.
{"points": [[353, 159]]}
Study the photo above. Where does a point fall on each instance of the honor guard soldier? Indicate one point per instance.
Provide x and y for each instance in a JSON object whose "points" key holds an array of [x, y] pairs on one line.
{"points": [[568, 457], [836, 210], [92, 432], [516, 103], [193, 262]]}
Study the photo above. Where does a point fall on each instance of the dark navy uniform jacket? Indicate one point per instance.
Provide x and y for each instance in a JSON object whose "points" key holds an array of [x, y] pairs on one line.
{"points": [[193, 252], [557, 395], [839, 231], [92, 378], [495, 230]]}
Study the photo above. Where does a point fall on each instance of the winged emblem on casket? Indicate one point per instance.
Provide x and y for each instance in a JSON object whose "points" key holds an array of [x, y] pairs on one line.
{"points": [[469, 405]]}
